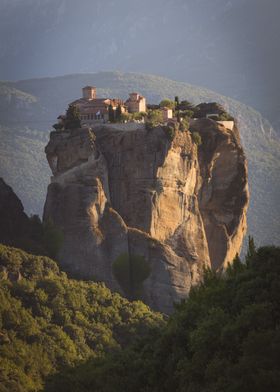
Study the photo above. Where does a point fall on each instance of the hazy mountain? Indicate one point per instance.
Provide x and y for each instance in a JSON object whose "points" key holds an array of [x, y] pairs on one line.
{"points": [[30, 107], [228, 46]]}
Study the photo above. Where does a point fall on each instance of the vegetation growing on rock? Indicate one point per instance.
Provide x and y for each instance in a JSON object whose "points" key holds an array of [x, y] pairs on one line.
{"points": [[196, 138], [154, 119], [131, 271], [169, 131], [72, 120]]}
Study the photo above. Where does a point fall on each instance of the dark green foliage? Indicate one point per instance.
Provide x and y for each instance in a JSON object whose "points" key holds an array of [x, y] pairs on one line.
{"points": [[40, 238], [185, 105], [187, 113], [118, 113], [225, 117], [184, 124], [48, 321], [131, 271], [52, 238], [36, 237], [138, 115], [169, 131], [154, 119], [196, 138], [58, 126], [72, 120], [111, 114], [121, 270], [167, 103], [251, 251], [224, 338]]}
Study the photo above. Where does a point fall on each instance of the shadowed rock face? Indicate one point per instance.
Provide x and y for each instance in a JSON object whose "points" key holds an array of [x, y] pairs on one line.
{"points": [[14, 222], [136, 193], [223, 193]]}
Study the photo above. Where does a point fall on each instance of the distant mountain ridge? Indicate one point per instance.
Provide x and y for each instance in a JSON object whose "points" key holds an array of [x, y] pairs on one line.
{"points": [[29, 107]]}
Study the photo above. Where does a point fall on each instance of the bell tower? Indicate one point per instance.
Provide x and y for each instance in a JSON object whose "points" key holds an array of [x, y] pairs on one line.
{"points": [[89, 92]]}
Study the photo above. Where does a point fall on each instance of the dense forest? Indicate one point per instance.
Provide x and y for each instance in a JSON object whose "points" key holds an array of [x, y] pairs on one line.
{"points": [[58, 334], [225, 338], [48, 321]]}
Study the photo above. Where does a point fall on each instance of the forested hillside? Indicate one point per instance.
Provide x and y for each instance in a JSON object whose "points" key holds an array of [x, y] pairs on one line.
{"points": [[224, 338], [48, 321], [59, 334]]}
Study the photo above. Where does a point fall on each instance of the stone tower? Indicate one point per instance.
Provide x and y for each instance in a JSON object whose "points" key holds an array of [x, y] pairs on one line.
{"points": [[89, 92]]}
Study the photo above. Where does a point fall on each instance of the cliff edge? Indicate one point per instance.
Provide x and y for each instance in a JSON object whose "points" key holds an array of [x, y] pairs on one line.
{"points": [[146, 212]]}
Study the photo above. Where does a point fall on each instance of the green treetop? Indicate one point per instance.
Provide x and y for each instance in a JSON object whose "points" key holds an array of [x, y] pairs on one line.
{"points": [[72, 117], [167, 103]]}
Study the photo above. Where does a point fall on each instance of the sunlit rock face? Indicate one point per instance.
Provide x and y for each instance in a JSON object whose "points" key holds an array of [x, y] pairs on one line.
{"points": [[136, 193]]}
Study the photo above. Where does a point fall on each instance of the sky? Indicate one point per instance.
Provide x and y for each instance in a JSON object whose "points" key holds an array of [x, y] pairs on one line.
{"points": [[231, 47]]}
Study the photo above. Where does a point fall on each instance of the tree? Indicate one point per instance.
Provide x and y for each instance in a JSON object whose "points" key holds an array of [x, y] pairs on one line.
{"points": [[251, 250], [111, 113], [187, 113], [167, 103], [138, 115], [186, 105], [52, 237], [125, 117], [224, 337], [170, 132], [196, 138], [72, 120], [118, 113], [225, 117], [58, 126], [184, 124], [131, 271], [154, 118], [49, 322], [177, 102]]}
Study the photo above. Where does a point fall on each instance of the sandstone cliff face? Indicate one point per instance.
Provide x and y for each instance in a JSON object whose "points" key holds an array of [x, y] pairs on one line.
{"points": [[223, 193], [118, 193]]}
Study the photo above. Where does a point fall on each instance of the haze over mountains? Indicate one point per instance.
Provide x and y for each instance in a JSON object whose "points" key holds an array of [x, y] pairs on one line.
{"points": [[30, 107], [228, 46]]}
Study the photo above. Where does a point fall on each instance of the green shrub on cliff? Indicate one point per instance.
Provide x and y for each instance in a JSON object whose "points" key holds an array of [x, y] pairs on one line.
{"points": [[48, 321], [154, 118], [72, 117], [184, 124], [196, 138], [167, 103], [169, 132], [131, 271], [226, 117], [52, 238]]}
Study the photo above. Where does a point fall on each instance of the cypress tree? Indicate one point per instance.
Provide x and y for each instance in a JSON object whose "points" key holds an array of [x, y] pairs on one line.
{"points": [[118, 113], [111, 114], [251, 250], [72, 117]]}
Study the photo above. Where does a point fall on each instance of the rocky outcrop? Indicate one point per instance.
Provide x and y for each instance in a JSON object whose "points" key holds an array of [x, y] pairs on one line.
{"points": [[166, 205], [223, 194], [14, 222]]}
